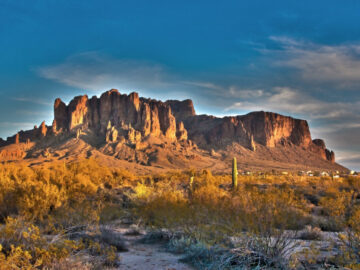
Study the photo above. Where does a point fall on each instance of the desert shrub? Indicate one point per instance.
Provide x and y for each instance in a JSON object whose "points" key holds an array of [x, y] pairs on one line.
{"points": [[23, 246], [203, 256], [312, 198], [16, 258], [335, 204], [106, 255], [180, 245], [349, 245], [102, 243], [310, 233], [330, 224], [273, 208], [270, 251], [59, 196], [157, 236], [55, 197], [112, 238], [38, 199], [111, 212], [169, 210], [251, 252], [213, 214], [34, 193]]}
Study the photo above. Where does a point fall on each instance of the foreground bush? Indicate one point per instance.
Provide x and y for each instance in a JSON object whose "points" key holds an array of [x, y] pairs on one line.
{"points": [[23, 246]]}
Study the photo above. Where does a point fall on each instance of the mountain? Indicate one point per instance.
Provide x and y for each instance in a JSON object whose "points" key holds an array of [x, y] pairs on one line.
{"points": [[146, 135]]}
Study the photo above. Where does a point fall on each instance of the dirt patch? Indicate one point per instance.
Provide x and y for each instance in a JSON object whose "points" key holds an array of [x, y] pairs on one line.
{"points": [[150, 257], [147, 256]]}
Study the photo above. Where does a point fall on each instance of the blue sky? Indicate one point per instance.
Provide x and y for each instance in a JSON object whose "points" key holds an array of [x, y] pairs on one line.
{"points": [[299, 58]]}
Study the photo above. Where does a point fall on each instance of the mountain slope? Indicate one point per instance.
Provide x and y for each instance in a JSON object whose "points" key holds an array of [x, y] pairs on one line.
{"points": [[146, 134]]}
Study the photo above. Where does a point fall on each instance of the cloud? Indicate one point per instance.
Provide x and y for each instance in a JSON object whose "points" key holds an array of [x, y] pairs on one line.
{"points": [[236, 92], [349, 158], [33, 100], [32, 113], [339, 64], [97, 72], [17, 124], [94, 71], [331, 128], [292, 101], [232, 91], [208, 85]]}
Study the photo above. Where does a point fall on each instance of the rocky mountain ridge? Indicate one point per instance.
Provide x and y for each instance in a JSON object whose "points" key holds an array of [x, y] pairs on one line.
{"points": [[116, 124]]}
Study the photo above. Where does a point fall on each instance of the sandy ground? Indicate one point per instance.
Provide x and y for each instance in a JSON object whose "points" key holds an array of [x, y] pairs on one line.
{"points": [[148, 256]]}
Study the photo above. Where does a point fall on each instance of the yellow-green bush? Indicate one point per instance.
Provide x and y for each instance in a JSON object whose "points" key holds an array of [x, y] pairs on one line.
{"points": [[23, 246]]}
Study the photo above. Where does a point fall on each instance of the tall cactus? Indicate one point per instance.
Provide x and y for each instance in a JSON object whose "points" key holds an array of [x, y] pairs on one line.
{"points": [[234, 174], [191, 186], [191, 182]]}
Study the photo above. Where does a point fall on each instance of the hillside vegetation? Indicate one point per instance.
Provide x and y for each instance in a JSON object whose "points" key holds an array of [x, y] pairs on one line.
{"points": [[56, 217]]}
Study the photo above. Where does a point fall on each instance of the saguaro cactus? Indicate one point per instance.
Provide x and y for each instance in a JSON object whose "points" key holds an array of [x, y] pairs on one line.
{"points": [[234, 174], [191, 182]]}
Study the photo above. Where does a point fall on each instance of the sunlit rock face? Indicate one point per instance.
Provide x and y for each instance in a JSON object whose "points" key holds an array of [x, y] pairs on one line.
{"points": [[42, 130], [265, 128], [182, 109], [115, 118], [60, 113], [150, 117], [177, 120], [320, 148]]}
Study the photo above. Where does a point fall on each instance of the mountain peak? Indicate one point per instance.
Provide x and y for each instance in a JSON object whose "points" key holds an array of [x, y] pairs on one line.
{"points": [[149, 131]]}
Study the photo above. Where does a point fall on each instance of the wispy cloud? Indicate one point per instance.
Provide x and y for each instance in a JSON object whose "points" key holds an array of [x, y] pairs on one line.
{"points": [[349, 157], [38, 101], [94, 71], [293, 101], [338, 64], [32, 113], [17, 124], [331, 128], [232, 91]]}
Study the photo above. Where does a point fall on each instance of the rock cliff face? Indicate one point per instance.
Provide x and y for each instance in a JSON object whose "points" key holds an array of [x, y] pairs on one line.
{"points": [[117, 118], [320, 148], [34, 134], [182, 109], [176, 120], [123, 112], [264, 128]]}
